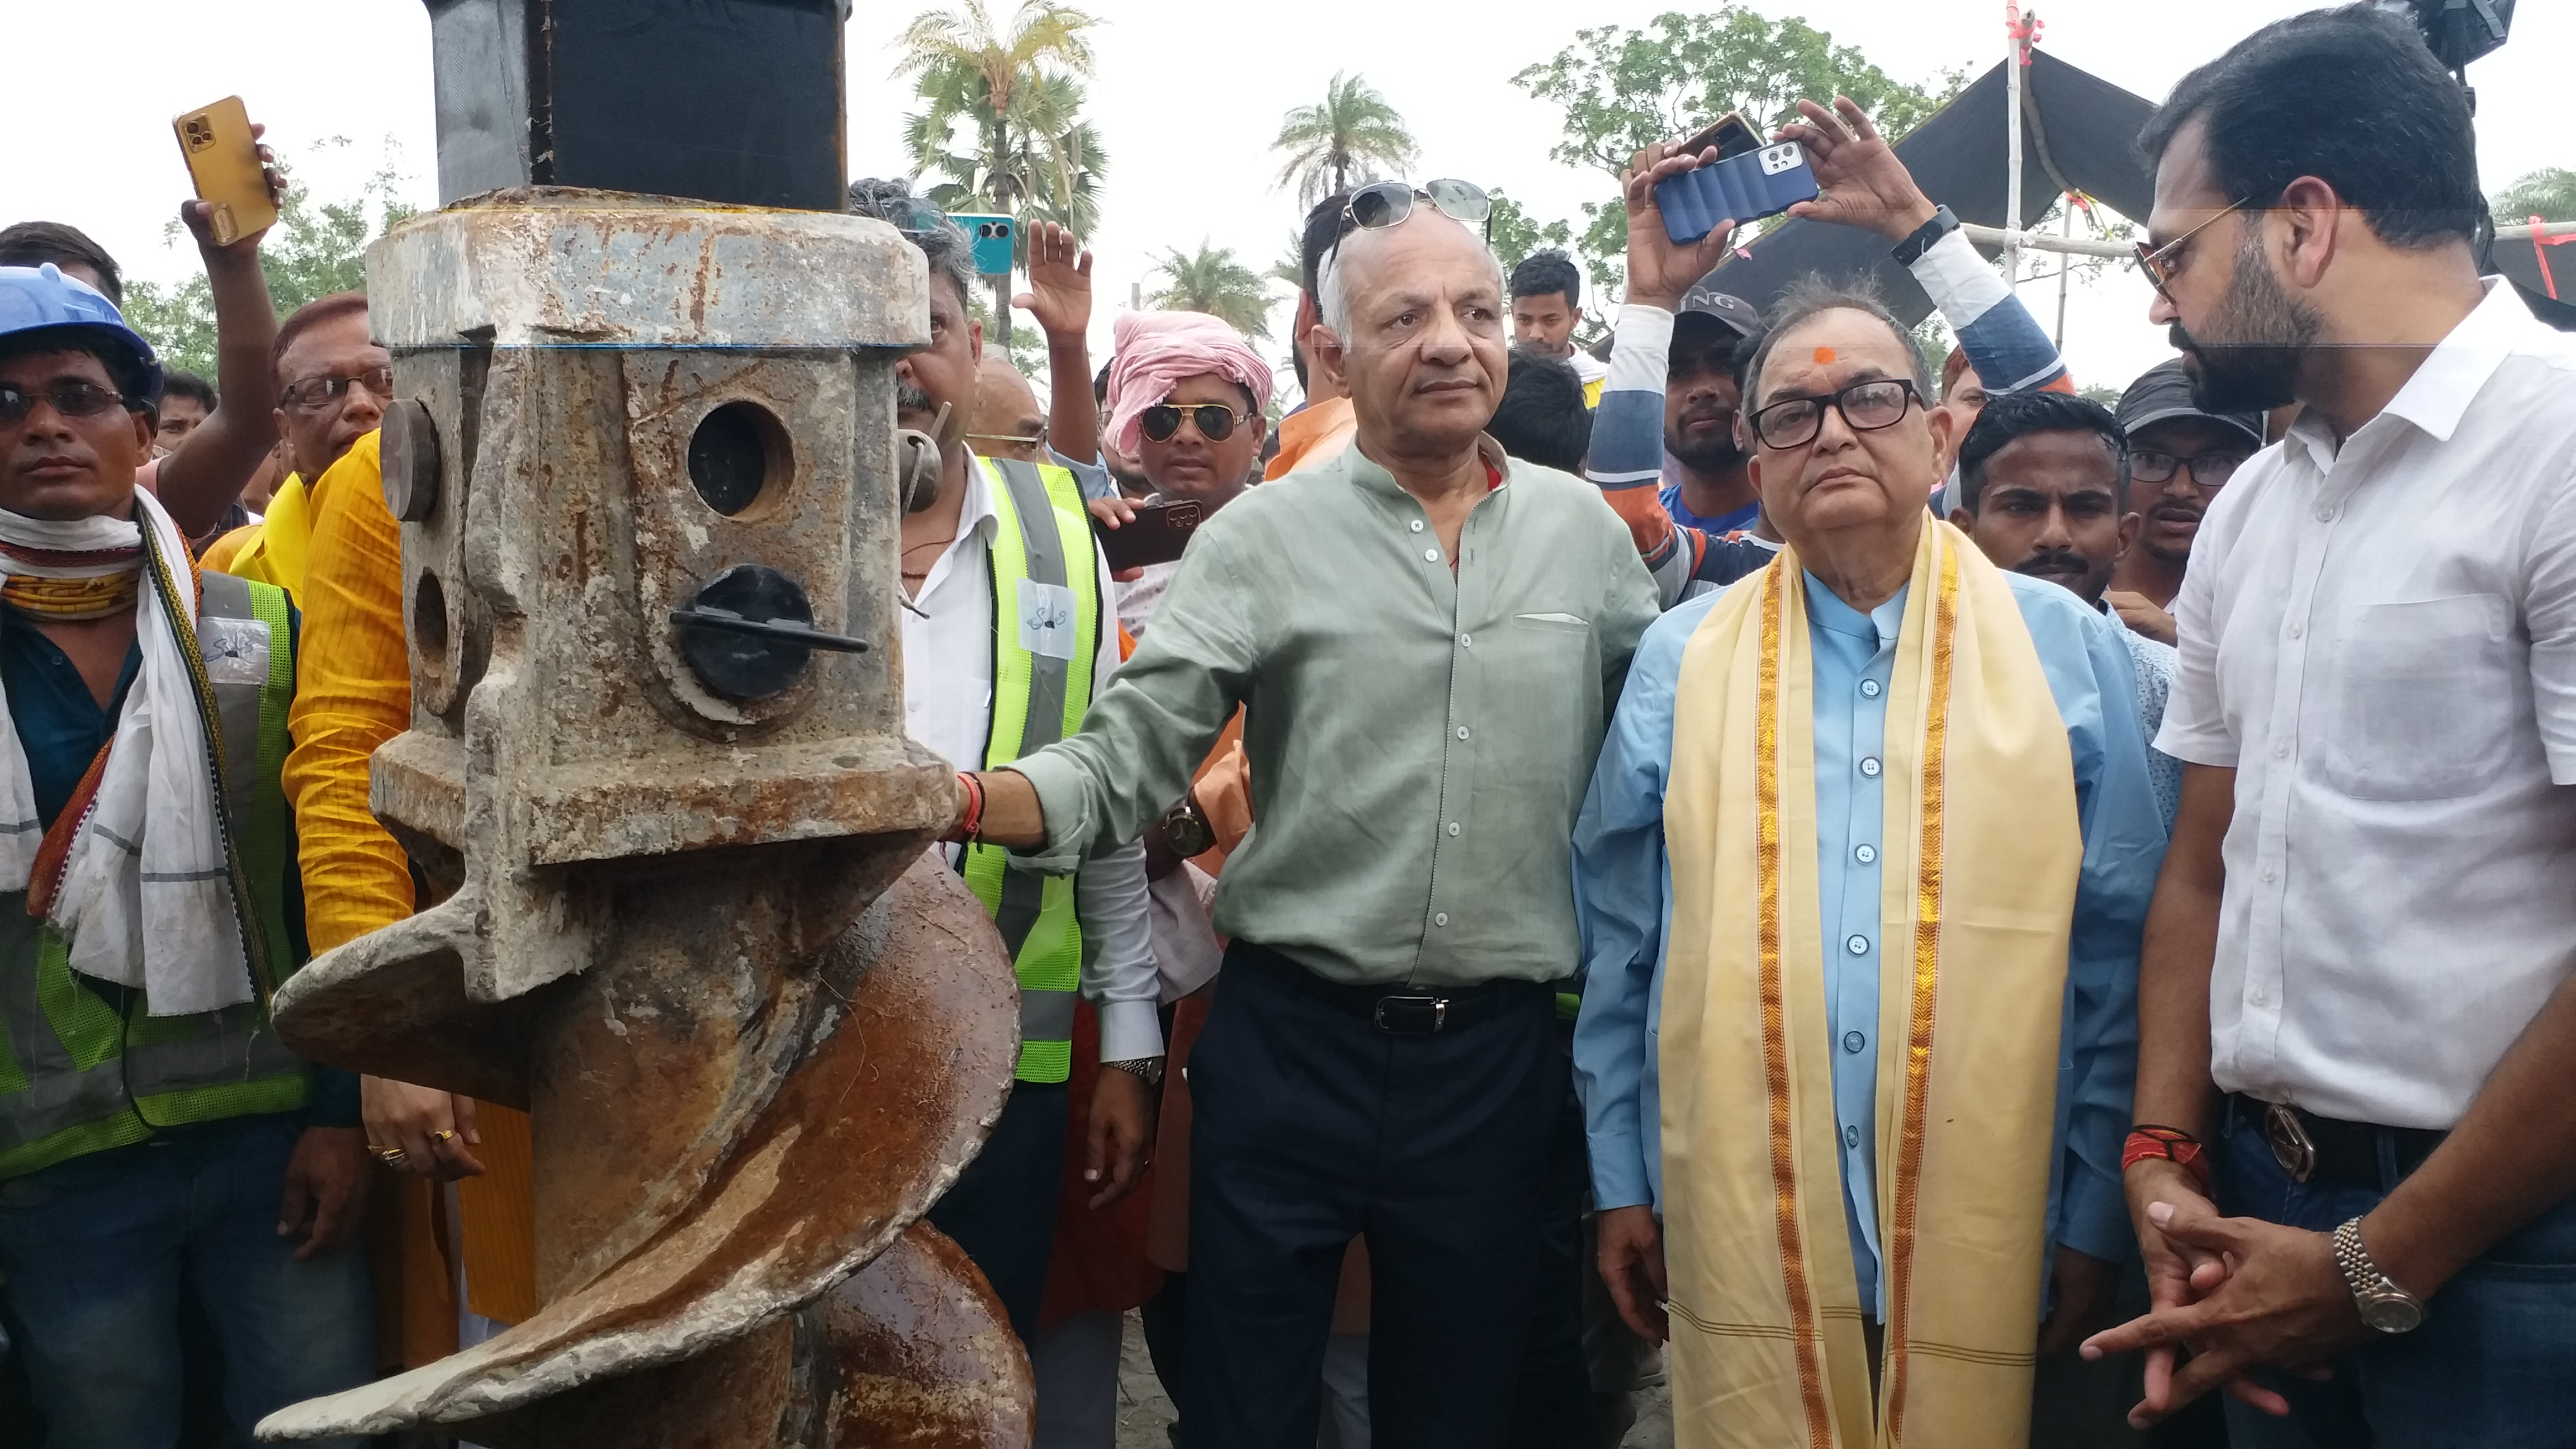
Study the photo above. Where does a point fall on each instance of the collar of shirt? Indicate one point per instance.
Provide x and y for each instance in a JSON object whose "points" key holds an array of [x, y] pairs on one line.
{"points": [[1826, 610], [976, 522], [1366, 472], [2446, 381]]}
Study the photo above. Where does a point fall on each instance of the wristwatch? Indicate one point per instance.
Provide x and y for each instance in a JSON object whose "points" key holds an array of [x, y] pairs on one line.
{"points": [[2384, 1306], [1186, 831], [1911, 250], [1148, 1070]]}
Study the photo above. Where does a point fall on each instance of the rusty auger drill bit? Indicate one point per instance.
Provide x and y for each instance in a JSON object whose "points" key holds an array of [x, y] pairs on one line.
{"points": [[644, 462]]}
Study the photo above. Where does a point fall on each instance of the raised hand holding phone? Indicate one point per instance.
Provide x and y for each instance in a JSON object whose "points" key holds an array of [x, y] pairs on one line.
{"points": [[1661, 270], [1863, 183], [239, 191]]}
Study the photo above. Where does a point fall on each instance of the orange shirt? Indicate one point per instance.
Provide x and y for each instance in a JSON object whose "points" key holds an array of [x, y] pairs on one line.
{"points": [[1310, 435]]}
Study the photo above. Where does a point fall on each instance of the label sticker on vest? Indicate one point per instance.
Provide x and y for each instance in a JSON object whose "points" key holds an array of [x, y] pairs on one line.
{"points": [[1046, 619], [236, 650]]}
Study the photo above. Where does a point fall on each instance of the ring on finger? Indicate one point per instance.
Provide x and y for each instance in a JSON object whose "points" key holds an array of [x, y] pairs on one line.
{"points": [[389, 1156], [441, 1137]]}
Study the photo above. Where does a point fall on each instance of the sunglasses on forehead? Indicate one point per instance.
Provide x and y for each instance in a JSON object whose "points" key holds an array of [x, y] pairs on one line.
{"points": [[1382, 204]]}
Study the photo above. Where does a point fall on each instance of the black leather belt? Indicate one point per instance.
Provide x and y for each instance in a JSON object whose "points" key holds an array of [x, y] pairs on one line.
{"points": [[2311, 1148], [1397, 1010]]}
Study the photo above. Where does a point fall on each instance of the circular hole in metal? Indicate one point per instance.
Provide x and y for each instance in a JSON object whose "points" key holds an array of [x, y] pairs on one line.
{"points": [[429, 618], [732, 454]]}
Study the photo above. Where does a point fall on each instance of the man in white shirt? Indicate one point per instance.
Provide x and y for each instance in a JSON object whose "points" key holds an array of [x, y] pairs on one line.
{"points": [[1547, 296], [2364, 930], [991, 527]]}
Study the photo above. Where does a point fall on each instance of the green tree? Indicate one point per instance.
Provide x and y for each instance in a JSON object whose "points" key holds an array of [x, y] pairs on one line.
{"points": [[1517, 233], [1345, 139], [1622, 89], [1213, 281], [316, 248], [2549, 193], [1011, 80]]}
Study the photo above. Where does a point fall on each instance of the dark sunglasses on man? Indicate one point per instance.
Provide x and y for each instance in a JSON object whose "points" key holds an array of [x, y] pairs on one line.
{"points": [[322, 394], [1866, 406], [72, 397], [1382, 204], [1162, 421]]}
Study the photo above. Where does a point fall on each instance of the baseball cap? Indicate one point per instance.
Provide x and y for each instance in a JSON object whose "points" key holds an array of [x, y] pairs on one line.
{"points": [[36, 299], [2164, 391], [1734, 312]]}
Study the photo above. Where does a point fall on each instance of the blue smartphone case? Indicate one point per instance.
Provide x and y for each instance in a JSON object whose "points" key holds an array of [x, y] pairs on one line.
{"points": [[992, 239], [1742, 188]]}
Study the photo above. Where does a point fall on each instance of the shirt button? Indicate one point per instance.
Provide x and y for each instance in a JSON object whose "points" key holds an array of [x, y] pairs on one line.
{"points": [[2267, 875], [1416, 525], [2325, 515], [1869, 766], [1865, 853], [1441, 919], [2280, 752], [1431, 555], [1853, 1041], [1858, 945], [1851, 1137], [2296, 630], [2256, 995], [1453, 828], [1465, 643], [1869, 688], [1462, 732]]}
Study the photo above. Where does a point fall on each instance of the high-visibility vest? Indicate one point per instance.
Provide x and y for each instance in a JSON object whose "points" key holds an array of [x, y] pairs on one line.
{"points": [[75, 1077], [1046, 633]]}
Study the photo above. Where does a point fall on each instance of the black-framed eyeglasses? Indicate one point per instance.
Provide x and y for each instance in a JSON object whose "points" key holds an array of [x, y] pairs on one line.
{"points": [[2209, 470], [2164, 263], [321, 394], [1866, 406], [71, 397], [1387, 203], [1161, 421]]}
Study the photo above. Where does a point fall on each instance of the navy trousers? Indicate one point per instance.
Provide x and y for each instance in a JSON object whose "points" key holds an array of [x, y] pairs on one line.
{"points": [[1001, 1209], [1313, 1126]]}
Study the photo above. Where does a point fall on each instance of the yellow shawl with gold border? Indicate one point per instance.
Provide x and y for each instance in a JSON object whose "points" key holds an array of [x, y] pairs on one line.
{"points": [[1982, 849]]}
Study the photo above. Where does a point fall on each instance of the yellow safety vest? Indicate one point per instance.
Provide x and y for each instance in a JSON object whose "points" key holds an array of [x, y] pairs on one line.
{"points": [[1046, 633]]}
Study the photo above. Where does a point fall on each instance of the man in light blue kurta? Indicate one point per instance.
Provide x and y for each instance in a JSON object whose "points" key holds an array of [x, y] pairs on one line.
{"points": [[1623, 899]]}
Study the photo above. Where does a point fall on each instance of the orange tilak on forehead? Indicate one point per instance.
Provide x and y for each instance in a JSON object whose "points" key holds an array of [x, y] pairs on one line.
{"points": [[1824, 356]]}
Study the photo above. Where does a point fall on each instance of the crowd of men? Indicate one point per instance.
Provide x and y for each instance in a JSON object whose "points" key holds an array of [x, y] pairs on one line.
{"points": [[1952, 916]]}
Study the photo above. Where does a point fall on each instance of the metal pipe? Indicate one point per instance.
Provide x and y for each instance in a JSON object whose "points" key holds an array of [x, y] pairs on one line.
{"points": [[2523, 231], [2012, 149], [2081, 246]]}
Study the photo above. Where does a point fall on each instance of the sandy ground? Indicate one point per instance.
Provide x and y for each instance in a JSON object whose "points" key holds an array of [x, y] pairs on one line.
{"points": [[1144, 1413]]}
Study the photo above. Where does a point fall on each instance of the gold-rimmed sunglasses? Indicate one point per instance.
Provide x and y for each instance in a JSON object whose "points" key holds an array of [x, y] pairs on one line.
{"points": [[2160, 262]]}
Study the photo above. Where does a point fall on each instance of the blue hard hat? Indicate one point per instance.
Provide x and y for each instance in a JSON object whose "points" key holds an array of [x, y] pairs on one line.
{"points": [[42, 298]]}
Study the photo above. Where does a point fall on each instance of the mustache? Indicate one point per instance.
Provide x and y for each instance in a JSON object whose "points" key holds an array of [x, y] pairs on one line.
{"points": [[911, 399], [2053, 561]]}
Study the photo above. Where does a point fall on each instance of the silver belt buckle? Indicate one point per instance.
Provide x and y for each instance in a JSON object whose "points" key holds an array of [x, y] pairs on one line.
{"points": [[2291, 1146], [1437, 1008]]}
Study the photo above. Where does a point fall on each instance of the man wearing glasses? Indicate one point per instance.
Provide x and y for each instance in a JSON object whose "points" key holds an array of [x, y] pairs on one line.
{"points": [[2180, 455], [1861, 877], [1427, 635], [2357, 1032], [332, 385]]}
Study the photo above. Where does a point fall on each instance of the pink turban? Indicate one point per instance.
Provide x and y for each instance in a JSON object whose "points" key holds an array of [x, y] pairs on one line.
{"points": [[1158, 349]]}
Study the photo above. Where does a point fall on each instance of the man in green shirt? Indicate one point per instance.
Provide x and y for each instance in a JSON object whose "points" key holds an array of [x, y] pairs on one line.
{"points": [[1428, 637]]}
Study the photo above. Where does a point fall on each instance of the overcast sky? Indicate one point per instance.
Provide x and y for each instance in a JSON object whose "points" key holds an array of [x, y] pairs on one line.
{"points": [[1187, 99]]}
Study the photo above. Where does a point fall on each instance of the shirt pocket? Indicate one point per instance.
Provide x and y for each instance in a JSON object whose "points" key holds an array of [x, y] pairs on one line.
{"points": [[2422, 699]]}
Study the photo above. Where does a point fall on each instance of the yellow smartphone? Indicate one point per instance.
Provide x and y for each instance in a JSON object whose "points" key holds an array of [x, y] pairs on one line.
{"points": [[223, 161]]}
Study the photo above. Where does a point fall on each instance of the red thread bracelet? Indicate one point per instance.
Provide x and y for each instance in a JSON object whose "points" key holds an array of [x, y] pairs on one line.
{"points": [[967, 828], [2148, 1142]]}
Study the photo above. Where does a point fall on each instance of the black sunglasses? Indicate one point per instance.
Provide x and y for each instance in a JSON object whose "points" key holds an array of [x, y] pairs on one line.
{"points": [[73, 398], [1163, 420], [1387, 203]]}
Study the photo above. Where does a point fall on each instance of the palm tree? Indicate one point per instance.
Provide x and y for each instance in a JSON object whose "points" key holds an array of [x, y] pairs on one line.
{"points": [[2548, 193], [1351, 134], [1013, 81], [1212, 281]]}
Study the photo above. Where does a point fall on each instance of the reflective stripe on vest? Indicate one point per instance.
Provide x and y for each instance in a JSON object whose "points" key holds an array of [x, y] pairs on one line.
{"points": [[75, 1079], [1046, 633]]}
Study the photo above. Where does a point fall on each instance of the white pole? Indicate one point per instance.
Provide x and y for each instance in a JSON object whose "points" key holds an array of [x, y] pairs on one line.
{"points": [[2012, 146], [2065, 264]]}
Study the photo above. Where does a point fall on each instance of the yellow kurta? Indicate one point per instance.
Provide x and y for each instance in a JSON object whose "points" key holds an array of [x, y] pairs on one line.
{"points": [[1982, 854]]}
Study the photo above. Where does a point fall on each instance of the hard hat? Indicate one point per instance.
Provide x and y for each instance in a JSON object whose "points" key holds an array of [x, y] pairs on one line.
{"points": [[42, 298]]}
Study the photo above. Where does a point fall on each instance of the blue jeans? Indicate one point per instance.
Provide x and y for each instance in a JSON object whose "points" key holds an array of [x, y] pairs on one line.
{"points": [[2492, 1367], [94, 1250]]}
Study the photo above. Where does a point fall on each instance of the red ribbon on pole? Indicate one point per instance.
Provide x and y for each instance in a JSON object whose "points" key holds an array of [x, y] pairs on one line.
{"points": [[2024, 33]]}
